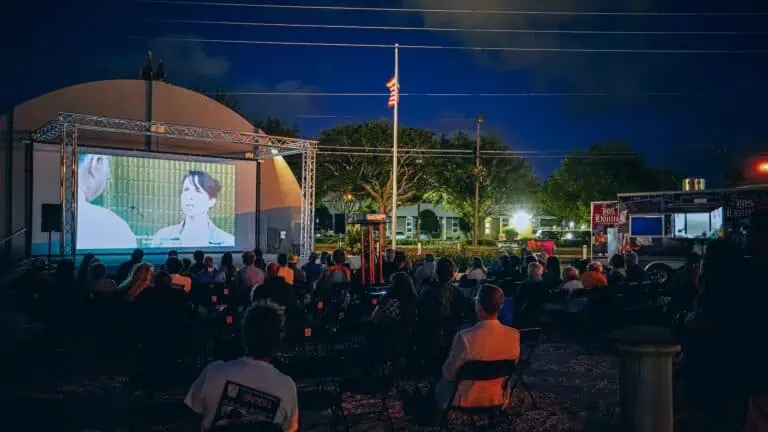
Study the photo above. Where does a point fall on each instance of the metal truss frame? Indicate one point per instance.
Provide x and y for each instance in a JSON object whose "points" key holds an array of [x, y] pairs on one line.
{"points": [[64, 130]]}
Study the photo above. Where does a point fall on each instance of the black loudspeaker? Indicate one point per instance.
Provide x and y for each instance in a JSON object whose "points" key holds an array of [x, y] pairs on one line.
{"points": [[51, 218], [339, 224]]}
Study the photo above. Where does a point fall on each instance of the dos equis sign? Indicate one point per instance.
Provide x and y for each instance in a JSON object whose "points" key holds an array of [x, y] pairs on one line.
{"points": [[605, 213]]}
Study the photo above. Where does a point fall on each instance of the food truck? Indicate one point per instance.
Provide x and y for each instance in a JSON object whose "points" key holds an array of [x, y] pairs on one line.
{"points": [[664, 227]]}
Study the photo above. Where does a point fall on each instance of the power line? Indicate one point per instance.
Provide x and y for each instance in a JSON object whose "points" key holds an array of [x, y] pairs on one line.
{"points": [[399, 149], [486, 156], [462, 48], [518, 94], [466, 30], [456, 11]]}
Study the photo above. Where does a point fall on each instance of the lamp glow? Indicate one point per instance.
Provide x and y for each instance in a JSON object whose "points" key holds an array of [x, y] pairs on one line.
{"points": [[762, 167], [521, 220]]}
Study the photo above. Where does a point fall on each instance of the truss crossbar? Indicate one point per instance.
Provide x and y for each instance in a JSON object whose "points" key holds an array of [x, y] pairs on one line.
{"points": [[264, 146], [64, 130]]}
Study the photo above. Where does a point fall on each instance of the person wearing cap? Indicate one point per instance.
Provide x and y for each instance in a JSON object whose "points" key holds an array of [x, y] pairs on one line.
{"points": [[487, 340], [298, 276], [285, 271]]}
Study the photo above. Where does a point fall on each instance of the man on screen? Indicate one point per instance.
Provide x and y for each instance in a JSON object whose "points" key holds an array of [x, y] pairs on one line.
{"points": [[97, 227], [199, 192]]}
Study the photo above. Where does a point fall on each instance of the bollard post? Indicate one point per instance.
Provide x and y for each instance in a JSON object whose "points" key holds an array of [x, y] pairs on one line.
{"points": [[645, 378], [584, 252]]}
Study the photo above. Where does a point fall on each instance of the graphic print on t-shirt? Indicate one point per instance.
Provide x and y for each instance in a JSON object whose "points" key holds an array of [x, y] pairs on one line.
{"points": [[239, 403]]}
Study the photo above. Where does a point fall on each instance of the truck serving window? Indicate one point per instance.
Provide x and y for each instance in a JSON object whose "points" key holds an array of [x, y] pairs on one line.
{"points": [[646, 226]]}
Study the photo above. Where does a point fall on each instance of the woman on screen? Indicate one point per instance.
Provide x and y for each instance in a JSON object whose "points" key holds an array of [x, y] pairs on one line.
{"points": [[98, 227], [199, 192]]}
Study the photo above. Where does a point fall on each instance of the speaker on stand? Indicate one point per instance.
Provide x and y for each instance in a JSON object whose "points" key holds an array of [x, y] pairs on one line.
{"points": [[50, 222]]}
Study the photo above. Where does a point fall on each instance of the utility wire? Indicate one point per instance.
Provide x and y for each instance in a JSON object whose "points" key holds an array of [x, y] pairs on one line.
{"points": [[495, 152], [462, 48], [495, 156], [519, 94], [455, 11], [467, 30]]}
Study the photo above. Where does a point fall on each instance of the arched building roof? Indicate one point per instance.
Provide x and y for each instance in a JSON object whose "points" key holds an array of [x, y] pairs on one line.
{"points": [[134, 100]]}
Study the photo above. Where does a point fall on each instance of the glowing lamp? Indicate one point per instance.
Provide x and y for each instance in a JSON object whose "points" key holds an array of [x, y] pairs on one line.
{"points": [[762, 167], [520, 221]]}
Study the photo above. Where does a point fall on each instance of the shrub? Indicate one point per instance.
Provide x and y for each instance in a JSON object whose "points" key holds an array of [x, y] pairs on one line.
{"points": [[510, 233]]}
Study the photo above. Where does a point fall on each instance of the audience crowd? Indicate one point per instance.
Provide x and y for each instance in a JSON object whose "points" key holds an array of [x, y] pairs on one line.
{"points": [[456, 318]]}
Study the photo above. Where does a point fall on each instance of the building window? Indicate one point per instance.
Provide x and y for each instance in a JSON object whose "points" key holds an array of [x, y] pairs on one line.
{"points": [[455, 226], [409, 224]]}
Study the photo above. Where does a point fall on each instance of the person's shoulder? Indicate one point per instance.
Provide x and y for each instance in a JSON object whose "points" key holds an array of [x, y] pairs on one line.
{"points": [[167, 231], [223, 236]]}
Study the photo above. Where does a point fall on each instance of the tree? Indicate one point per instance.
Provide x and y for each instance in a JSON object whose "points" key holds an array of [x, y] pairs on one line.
{"points": [[429, 222], [598, 174], [504, 182], [371, 175], [347, 203]]}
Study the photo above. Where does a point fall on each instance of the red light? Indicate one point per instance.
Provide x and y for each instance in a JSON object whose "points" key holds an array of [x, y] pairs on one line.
{"points": [[762, 167]]}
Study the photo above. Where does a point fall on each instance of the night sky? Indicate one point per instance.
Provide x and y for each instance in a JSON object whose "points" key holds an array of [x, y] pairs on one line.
{"points": [[717, 113]]}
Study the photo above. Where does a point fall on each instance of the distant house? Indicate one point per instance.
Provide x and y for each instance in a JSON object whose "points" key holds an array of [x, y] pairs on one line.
{"points": [[449, 221]]}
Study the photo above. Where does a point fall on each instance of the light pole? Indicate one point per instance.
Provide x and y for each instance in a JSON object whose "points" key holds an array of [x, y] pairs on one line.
{"points": [[476, 225]]}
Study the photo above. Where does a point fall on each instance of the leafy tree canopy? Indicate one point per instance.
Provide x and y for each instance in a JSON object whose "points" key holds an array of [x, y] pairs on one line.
{"points": [[598, 174], [505, 182], [342, 168]]}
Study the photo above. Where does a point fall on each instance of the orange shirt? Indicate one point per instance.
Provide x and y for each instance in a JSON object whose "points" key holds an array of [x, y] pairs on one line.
{"points": [[287, 274], [593, 279]]}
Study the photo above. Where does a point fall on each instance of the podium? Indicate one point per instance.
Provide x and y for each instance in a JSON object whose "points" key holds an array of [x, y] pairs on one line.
{"points": [[372, 234]]}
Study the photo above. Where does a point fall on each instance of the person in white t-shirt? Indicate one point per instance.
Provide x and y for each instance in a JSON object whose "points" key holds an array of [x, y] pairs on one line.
{"points": [[249, 388]]}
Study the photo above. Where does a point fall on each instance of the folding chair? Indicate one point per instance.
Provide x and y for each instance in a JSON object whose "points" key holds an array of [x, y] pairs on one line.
{"points": [[477, 370], [530, 337]]}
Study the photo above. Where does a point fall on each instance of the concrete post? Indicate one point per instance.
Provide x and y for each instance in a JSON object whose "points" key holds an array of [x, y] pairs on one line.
{"points": [[645, 379]]}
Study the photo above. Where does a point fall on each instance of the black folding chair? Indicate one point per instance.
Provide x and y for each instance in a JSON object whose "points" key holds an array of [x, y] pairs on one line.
{"points": [[477, 370], [246, 426], [530, 338]]}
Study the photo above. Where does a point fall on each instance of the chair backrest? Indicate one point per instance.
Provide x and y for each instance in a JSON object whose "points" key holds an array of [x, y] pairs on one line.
{"points": [[507, 313], [260, 426], [479, 370]]}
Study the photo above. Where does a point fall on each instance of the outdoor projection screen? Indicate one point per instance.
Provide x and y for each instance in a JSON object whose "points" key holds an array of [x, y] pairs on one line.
{"points": [[129, 199]]}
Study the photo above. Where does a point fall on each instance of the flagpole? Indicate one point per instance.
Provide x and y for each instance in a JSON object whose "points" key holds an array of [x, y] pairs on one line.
{"points": [[394, 153]]}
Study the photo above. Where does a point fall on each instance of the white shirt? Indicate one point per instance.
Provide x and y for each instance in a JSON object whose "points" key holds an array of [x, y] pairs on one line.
{"points": [[219, 382], [572, 285], [100, 228], [477, 274]]}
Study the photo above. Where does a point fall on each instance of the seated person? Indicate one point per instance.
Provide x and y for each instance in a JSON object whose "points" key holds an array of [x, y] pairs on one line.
{"points": [[571, 280], [210, 274], [98, 283], [618, 273], [174, 267], [635, 273], [275, 289], [594, 277], [477, 272], [487, 340], [338, 272], [285, 271], [248, 388]]}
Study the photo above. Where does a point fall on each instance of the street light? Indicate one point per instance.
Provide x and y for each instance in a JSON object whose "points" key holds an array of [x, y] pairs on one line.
{"points": [[476, 224]]}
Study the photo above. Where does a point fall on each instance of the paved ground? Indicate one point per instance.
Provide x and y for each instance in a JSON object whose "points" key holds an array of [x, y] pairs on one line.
{"points": [[575, 390]]}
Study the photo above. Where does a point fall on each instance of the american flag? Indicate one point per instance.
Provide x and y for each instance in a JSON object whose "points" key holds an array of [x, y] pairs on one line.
{"points": [[394, 92]]}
